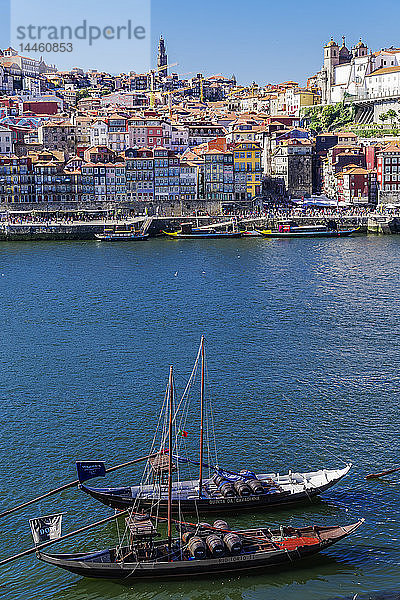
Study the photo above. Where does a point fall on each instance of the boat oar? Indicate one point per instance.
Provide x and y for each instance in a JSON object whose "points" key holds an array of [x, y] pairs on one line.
{"points": [[63, 537], [70, 485], [377, 475]]}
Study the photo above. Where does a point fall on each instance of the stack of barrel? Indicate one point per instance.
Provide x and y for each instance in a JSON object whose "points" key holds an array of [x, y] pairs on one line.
{"points": [[250, 486], [217, 541]]}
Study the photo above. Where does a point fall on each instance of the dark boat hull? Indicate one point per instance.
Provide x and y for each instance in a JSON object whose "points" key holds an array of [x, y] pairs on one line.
{"points": [[196, 236], [259, 560], [308, 234], [209, 505], [224, 565], [122, 498]]}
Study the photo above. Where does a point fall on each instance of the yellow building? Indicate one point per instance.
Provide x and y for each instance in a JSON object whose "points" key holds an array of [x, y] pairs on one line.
{"points": [[247, 170], [299, 98]]}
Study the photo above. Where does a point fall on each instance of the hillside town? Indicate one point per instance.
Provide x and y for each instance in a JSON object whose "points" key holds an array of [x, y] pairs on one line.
{"points": [[155, 139]]}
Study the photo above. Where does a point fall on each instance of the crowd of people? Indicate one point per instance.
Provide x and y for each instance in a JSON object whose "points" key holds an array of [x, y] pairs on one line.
{"points": [[323, 212], [278, 211], [59, 217]]}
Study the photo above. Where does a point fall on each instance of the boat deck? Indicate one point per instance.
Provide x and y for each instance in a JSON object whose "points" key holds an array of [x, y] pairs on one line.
{"points": [[291, 483]]}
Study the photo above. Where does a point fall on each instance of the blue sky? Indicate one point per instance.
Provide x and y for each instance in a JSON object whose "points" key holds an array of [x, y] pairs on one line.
{"points": [[262, 40]]}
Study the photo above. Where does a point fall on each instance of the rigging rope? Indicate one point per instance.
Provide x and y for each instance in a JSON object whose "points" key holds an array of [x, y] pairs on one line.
{"points": [[339, 458]]}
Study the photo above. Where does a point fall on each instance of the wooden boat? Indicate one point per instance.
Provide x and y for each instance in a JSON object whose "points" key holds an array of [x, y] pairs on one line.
{"points": [[204, 235], [121, 236], [114, 234], [292, 230], [199, 549], [251, 233], [307, 234], [206, 552], [223, 491], [273, 492], [187, 231]]}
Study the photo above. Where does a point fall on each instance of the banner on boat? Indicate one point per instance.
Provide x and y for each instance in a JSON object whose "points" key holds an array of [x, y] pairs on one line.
{"points": [[89, 469], [46, 528], [233, 476]]}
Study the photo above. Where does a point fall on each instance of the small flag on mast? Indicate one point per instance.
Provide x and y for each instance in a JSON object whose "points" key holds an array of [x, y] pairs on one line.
{"points": [[89, 469], [182, 433], [46, 528]]}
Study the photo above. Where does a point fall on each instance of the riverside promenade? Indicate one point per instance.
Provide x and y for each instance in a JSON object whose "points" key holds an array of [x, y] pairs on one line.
{"points": [[59, 227]]}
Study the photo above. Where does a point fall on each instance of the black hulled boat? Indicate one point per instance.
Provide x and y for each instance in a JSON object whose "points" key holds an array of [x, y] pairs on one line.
{"points": [[197, 550], [265, 492], [222, 491], [204, 553]]}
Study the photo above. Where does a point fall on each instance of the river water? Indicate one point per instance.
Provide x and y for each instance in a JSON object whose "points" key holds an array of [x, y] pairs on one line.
{"points": [[303, 368]]}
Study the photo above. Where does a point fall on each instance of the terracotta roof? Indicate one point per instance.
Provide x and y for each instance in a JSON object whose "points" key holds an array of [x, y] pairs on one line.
{"points": [[392, 147], [99, 147], [296, 142], [384, 71], [214, 152], [74, 158], [346, 146], [387, 51], [353, 170], [9, 63], [348, 153], [249, 142], [57, 124]]}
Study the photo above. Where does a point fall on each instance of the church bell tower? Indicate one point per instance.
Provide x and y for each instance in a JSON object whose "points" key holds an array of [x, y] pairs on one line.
{"points": [[162, 59]]}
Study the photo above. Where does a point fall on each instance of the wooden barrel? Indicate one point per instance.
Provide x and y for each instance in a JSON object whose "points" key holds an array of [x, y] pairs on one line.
{"points": [[256, 486], [205, 525], [227, 490], [196, 547], [219, 480], [233, 543], [215, 545], [187, 536], [220, 524], [242, 488]]}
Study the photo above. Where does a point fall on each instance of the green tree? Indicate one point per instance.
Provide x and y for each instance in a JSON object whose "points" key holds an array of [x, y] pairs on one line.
{"points": [[84, 93], [330, 117], [392, 115], [383, 117]]}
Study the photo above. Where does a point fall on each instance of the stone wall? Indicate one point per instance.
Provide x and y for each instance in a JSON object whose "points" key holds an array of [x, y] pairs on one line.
{"points": [[382, 106], [173, 207], [299, 175]]}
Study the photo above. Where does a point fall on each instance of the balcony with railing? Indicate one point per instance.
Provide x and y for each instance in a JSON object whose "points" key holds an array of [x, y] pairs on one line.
{"points": [[385, 94]]}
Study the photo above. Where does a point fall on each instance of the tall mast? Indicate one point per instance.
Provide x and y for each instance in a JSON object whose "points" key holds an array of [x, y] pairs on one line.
{"points": [[201, 416], [171, 396]]}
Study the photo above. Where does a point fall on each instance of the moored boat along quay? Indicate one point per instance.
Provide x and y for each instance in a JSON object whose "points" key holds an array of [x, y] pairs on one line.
{"points": [[61, 228]]}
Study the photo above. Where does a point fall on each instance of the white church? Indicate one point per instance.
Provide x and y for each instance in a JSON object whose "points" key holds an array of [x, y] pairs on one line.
{"points": [[358, 74]]}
